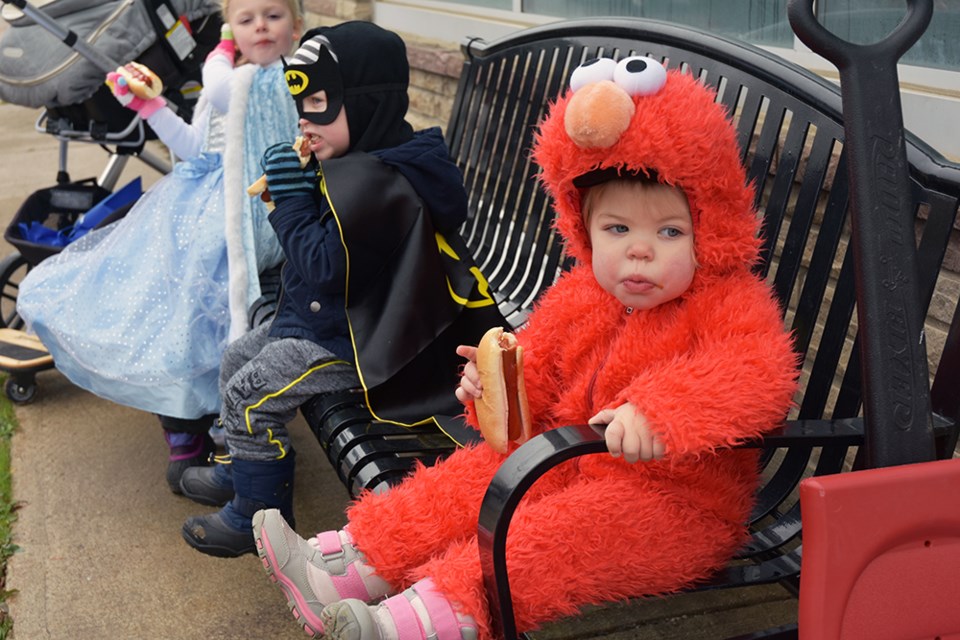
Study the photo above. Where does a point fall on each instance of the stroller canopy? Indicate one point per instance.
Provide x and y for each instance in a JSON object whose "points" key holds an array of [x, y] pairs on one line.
{"points": [[38, 70]]}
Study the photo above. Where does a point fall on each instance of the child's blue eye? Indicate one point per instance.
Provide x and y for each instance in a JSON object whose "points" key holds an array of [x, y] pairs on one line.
{"points": [[618, 228], [672, 232]]}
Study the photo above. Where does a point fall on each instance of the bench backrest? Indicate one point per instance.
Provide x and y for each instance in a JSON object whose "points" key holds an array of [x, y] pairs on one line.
{"points": [[791, 134], [790, 129]]}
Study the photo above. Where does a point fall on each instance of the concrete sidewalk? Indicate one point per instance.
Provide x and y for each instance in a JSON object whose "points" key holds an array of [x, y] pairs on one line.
{"points": [[101, 556]]}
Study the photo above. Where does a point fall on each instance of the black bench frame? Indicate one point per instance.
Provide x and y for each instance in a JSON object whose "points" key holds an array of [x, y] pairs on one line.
{"points": [[791, 130]]}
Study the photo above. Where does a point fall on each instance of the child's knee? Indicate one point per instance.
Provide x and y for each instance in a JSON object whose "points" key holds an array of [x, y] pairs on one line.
{"points": [[244, 387]]}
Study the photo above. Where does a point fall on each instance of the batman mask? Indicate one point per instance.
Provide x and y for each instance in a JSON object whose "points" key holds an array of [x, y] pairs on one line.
{"points": [[304, 80], [363, 69]]}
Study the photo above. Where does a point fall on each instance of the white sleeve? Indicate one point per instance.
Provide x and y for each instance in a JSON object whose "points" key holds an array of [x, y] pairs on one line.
{"points": [[184, 140], [216, 75]]}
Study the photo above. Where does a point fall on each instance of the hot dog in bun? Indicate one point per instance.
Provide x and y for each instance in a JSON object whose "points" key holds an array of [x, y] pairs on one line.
{"points": [[502, 410], [143, 82], [259, 187]]}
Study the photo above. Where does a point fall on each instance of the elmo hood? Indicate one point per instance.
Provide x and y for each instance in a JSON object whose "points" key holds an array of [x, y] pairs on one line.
{"points": [[636, 117]]}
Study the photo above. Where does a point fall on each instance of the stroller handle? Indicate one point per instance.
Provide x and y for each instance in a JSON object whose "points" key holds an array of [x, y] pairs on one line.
{"points": [[66, 36]]}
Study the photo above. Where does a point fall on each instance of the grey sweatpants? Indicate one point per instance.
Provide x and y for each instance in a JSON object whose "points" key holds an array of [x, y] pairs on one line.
{"points": [[264, 380]]}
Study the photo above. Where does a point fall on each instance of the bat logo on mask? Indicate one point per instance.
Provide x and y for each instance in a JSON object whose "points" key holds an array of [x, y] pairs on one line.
{"points": [[297, 81]]}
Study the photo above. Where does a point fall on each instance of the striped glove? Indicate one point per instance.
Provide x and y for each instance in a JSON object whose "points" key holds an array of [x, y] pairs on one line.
{"points": [[285, 177]]}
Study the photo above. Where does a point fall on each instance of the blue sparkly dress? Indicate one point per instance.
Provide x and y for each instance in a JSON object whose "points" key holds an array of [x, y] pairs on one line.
{"points": [[139, 312]]}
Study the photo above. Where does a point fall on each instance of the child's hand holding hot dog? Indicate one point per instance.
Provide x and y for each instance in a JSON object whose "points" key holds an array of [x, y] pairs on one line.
{"points": [[493, 379], [469, 388], [291, 174], [136, 87]]}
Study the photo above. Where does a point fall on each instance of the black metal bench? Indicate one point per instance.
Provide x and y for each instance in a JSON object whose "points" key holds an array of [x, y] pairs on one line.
{"points": [[791, 132]]}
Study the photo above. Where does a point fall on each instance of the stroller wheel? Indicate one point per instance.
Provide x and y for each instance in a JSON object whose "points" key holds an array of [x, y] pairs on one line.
{"points": [[12, 270]]}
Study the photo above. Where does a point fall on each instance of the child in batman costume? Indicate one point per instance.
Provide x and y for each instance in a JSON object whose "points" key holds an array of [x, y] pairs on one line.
{"points": [[680, 363], [377, 286]]}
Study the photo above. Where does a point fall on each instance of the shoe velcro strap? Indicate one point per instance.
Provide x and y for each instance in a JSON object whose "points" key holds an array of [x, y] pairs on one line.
{"points": [[350, 584], [329, 543], [405, 618], [442, 616]]}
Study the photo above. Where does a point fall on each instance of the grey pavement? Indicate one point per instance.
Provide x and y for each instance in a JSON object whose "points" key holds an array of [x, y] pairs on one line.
{"points": [[101, 556]]}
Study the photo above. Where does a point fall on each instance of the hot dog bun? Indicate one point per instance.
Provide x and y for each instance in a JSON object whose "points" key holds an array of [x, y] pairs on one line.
{"points": [[259, 187], [502, 410], [143, 82]]}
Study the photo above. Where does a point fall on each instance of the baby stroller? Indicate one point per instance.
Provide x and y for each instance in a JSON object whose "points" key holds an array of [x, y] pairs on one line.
{"points": [[55, 58]]}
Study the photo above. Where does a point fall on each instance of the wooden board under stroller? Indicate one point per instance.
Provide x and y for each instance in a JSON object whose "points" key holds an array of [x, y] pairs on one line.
{"points": [[21, 356]]}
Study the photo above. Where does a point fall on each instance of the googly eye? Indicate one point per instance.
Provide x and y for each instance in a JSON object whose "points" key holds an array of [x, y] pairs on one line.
{"points": [[639, 75], [593, 70]]}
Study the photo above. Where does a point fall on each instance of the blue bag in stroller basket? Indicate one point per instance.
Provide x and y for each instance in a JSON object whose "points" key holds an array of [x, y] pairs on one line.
{"points": [[51, 218]]}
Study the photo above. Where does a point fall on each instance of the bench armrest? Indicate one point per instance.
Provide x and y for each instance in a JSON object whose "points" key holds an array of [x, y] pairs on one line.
{"points": [[516, 475], [540, 454], [543, 452]]}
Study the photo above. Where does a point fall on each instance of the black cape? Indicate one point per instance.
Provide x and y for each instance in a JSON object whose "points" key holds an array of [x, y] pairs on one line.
{"points": [[412, 294]]}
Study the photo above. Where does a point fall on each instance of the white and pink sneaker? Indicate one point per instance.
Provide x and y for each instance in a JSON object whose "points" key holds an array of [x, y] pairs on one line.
{"points": [[315, 572], [419, 613]]}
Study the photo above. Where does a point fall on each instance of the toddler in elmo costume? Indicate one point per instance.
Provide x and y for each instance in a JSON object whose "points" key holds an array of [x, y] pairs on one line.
{"points": [[661, 332]]}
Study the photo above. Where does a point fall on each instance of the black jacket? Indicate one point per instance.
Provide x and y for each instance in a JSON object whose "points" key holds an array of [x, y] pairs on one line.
{"points": [[366, 276]]}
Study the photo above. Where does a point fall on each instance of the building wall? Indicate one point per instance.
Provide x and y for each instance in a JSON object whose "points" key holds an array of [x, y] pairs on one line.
{"points": [[435, 68]]}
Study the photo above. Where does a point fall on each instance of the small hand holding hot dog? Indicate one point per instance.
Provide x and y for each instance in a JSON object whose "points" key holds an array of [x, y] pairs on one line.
{"points": [[137, 88], [493, 379], [628, 433], [469, 388], [302, 149], [286, 173]]}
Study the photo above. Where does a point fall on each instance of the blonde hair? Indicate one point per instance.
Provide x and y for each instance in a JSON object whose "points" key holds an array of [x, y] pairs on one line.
{"points": [[295, 6], [589, 195]]}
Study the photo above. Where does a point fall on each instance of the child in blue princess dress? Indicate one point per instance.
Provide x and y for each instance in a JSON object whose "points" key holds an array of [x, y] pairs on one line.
{"points": [[141, 311]]}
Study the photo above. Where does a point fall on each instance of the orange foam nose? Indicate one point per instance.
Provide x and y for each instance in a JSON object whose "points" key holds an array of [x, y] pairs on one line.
{"points": [[598, 114]]}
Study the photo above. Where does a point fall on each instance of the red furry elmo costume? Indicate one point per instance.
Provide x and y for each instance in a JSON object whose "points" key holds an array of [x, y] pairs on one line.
{"points": [[708, 369]]}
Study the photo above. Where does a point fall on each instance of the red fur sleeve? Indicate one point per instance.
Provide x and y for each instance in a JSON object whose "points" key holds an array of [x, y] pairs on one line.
{"points": [[736, 382]]}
